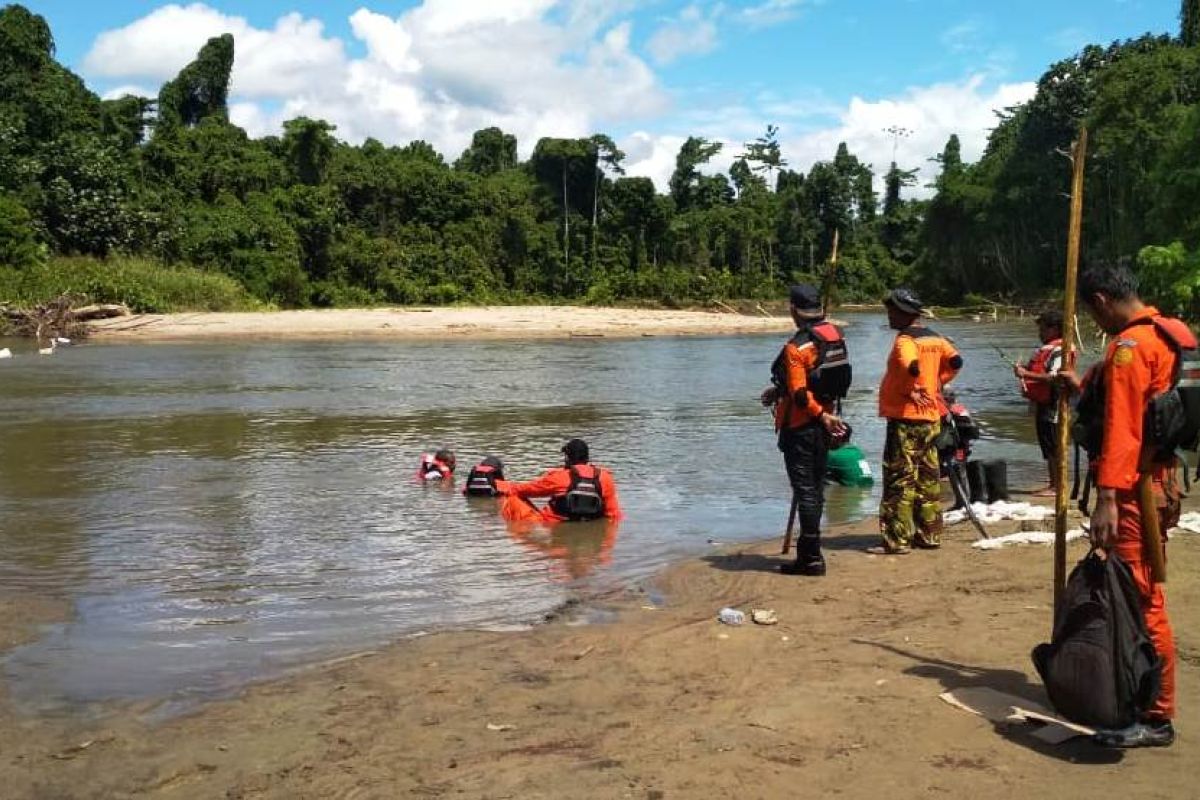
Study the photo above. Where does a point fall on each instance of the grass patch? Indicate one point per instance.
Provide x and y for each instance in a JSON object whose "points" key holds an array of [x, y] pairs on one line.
{"points": [[147, 287]]}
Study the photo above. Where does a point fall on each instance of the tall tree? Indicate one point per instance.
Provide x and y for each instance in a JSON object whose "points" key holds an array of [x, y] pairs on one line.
{"points": [[765, 154], [309, 146], [201, 89], [695, 153], [1189, 22], [608, 157], [491, 151]]}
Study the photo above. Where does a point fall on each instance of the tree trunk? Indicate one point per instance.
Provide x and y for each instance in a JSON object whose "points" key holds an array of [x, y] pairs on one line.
{"points": [[595, 215], [566, 229]]}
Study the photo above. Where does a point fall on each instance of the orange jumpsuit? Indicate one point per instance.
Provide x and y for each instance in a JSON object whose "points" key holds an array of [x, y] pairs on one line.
{"points": [[553, 483], [1138, 365]]}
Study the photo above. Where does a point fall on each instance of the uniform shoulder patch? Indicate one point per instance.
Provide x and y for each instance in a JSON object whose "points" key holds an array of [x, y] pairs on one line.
{"points": [[1123, 354]]}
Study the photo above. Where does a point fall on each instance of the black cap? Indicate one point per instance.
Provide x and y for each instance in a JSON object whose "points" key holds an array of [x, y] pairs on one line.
{"points": [[905, 300], [806, 299], [1051, 318], [576, 451]]}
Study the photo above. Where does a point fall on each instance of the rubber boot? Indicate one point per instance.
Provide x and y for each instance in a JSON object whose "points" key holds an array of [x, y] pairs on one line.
{"points": [[809, 560], [977, 479], [996, 478]]}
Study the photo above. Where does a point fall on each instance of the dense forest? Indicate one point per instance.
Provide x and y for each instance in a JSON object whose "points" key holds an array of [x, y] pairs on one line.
{"points": [[162, 202]]}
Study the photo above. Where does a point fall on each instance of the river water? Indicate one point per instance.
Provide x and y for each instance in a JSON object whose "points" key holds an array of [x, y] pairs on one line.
{"points": [[221, 512]]}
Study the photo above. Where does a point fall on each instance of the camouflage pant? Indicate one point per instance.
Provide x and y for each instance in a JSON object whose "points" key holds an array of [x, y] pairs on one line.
{"points": [[910, 511]]}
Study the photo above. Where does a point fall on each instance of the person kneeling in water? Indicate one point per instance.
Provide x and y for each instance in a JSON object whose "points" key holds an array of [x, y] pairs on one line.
{"points": [[437, 466], [482, 479], [578, 491]]}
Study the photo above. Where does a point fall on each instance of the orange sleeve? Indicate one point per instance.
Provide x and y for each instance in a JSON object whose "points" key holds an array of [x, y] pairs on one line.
{"points": [[553, 482], [608, 491], [799, 361], [948, 372], [1125, 386]]}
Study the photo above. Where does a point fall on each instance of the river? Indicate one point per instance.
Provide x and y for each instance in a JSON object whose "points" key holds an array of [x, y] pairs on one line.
{"points": [[216, 513]]}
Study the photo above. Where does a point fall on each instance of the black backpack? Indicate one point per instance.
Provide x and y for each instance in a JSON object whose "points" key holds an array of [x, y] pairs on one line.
{"points": [[1100, 668], [583, 499]]}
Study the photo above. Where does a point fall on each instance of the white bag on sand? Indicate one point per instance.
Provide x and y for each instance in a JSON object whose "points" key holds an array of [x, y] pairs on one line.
{"points": [[1024, 537], [1000, 511]]}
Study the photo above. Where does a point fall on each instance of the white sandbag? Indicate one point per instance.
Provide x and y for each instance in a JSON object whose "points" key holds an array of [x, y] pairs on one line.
{"points": [[1024, 537]]}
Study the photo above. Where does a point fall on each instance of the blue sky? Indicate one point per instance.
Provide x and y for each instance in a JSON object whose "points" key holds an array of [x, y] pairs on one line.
{"points": [[649, 73]]}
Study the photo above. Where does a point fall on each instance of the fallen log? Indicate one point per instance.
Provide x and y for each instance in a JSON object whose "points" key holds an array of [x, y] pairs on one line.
{"points": [[99, 311]]}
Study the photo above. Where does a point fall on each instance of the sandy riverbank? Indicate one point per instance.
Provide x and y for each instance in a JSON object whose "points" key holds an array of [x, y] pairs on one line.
{"points": [[492, 322], [839, 699]]}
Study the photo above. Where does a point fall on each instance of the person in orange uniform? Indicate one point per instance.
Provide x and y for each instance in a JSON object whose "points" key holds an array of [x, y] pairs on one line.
{"points": [[1138, 365], [578, 491], [804, 418], [920, 364]]}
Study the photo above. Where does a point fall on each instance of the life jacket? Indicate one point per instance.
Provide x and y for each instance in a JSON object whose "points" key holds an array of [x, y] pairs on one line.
{"points": [[481, 481], [583, 499], [1041, 392], [1172, 418], [431, 469], [829, 379]]}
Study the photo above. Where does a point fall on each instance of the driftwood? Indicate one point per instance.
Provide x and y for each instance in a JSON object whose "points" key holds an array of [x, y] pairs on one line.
{"points": [[101, 311], [62, 317]]}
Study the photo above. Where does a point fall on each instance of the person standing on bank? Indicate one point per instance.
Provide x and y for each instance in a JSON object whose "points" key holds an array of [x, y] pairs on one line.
{"points": [[1139, 368], [1039, 386], [920, 363], [809, 377]]}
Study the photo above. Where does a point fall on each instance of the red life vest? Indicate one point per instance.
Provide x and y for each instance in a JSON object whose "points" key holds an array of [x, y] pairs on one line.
{"points": [[481, 481], [1041, 392], [583, 499], [432, 469]]}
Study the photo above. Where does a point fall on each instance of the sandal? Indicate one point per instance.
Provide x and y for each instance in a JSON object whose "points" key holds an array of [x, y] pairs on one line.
{"points": [[881, 550]]}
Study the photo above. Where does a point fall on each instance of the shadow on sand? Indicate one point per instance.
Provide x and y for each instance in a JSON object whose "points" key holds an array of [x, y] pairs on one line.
{"points": [[957, 676]]}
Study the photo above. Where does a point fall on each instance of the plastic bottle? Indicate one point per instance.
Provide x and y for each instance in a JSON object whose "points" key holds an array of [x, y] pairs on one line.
{"points": [[731, 616]]}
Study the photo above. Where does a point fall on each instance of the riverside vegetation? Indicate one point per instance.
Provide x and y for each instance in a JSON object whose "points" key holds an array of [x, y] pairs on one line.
{"points": [[163, 204]]}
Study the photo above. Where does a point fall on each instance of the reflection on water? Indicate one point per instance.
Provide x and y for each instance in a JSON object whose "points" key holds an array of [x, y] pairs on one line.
{"points": [[222, 511]]}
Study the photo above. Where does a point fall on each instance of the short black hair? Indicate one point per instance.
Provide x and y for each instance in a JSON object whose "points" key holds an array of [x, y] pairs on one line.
{"points": [[1114, 281], [1051, 318]]}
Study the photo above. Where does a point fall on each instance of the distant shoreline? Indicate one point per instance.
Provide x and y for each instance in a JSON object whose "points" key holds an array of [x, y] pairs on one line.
{"points": [[480, 322]]}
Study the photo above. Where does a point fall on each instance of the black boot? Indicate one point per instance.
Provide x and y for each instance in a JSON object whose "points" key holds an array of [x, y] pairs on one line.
{"points": [[996, 478], [809, 560], [977, 480]]}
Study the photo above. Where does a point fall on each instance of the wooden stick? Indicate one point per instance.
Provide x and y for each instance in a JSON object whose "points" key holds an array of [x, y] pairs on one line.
{"points": [[787, 537], [831, 274], [1064, 408]]}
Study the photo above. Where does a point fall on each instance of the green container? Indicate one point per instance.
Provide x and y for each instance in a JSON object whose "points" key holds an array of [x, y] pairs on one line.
{"points": [[848, 466]]}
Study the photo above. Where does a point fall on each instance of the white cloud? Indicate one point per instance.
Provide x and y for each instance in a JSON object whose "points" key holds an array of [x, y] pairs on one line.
{"points": [[691, 33], [437, 72], [772, 12], [117, 92], [931, 113]]}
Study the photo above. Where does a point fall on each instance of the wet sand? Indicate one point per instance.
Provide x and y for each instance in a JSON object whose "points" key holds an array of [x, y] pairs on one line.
{"points": [[492, 322], [839, 699]]}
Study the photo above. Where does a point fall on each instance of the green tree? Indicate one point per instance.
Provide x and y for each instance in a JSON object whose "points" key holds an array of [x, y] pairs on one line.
{"points": [[309, 147], [491, 151], [686, 180], [201, 89], [1189, 22]]}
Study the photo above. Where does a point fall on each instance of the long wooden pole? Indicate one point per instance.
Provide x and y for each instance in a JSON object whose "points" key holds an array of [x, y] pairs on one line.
{"points": [[1078, 157], [831, 274]]}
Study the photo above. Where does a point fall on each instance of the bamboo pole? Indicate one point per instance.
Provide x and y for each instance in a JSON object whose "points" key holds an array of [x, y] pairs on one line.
{"points": [[831, 275], [1078, 156]]}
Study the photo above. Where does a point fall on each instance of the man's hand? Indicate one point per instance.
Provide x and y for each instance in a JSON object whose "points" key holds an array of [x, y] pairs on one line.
{"points": [[1020, 372], [834, 425], [1103, 531], [1067, 379], [921, 397], [769, 396]]}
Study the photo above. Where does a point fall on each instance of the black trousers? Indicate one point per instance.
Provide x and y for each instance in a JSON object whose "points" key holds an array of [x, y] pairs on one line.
{"points": [[805, 452]]}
